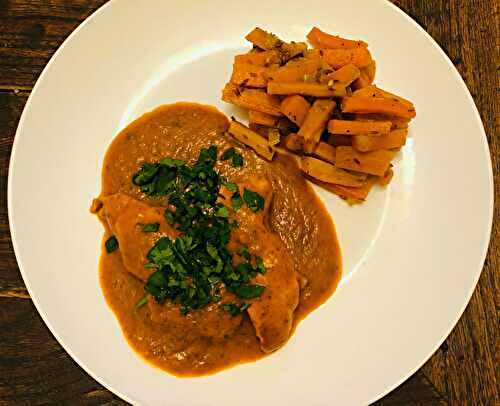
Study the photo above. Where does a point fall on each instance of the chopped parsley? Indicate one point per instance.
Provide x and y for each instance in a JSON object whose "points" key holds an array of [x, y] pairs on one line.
{"points": [[191, 269], [228, 154], [222, 212], [151, 227], [144, 300], [232, 187], [249, 291], [146, 174], [234, 309], [244, 253], [236, 159], [254, 201], [236, 201], [111, 244]]}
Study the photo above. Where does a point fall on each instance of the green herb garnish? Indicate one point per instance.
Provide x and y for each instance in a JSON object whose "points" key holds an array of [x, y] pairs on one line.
{"points": [[172, 163], [234, 309], [232, 187], [249, 291], [145, 174], [236, 159], [191, 269], [222, 212], [236, 201], [111, 244], [228, 154], [245, 253], [144, 300], [253, 200], [151, 227], [169, 217]]}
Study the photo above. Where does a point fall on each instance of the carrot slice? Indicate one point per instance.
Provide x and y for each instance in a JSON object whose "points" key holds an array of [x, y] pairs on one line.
{"points": [[353, 195], [325, 152], [295, 108], [337, 58], [263, 39], [252, 99], [329, 173], [377, 105], [295, 72], [346, 75], [265, 58], [258, 117], [294, 142], [321, 39], [250, 75], [254, 140], [395, 139], [307, 89], [373, 163], [387, 178], [340, 140], [372, 128], [374, 91], [315, 123]]}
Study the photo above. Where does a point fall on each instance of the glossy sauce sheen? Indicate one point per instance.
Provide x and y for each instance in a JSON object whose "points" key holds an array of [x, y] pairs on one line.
{"points": [[296, 215]]}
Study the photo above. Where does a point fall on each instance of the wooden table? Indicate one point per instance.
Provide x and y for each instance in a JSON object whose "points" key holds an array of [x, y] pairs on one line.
{"points": [[34, 369]]}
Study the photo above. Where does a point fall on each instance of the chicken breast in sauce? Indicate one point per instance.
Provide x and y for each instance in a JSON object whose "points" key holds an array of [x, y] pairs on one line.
{"points": [[210, 338]]}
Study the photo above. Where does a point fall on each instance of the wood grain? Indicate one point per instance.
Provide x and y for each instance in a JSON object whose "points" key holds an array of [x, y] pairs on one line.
{"points": [[34, 369]]}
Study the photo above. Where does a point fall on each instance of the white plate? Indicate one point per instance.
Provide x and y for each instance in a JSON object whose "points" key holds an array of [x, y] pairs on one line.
{"points": [[412, 254]]}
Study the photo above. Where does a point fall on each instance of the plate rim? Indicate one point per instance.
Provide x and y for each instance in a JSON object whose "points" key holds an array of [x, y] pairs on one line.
{"points": [[102, 381]]}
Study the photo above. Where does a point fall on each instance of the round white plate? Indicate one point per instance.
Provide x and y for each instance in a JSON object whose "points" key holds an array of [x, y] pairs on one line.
{"points": [[412, 254]]}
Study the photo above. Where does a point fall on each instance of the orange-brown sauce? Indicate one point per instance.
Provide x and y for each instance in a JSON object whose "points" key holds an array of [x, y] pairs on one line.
{"points": [[297, 216]]}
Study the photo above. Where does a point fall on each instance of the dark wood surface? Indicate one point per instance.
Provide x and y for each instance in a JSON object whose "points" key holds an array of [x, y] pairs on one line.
{"points": [[34, 369]]}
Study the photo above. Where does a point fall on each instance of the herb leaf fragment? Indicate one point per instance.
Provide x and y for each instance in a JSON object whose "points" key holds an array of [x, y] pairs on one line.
{"points": [[111, 244], [233, 309], [253, 200], [151, 227]]}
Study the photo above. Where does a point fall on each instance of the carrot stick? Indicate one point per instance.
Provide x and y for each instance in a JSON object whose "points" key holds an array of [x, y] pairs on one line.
{"points": [[296, 72], [340, 140], [315, 123], [352, 194], [268, 41], [337, 58], [395, 139], [325, 152], [291, 50], [377, 105], [306, 89], [255, 141], [373, 163], [294, 142], [258, 117], [397, 122], [250, 75], [374, 91], [252, 99], [266, 58], [295, 108], [366, 77], [263, 39], [387, 178], [314, 54], [329, 173], [346, 75], [320, 39], [372, 128]]}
